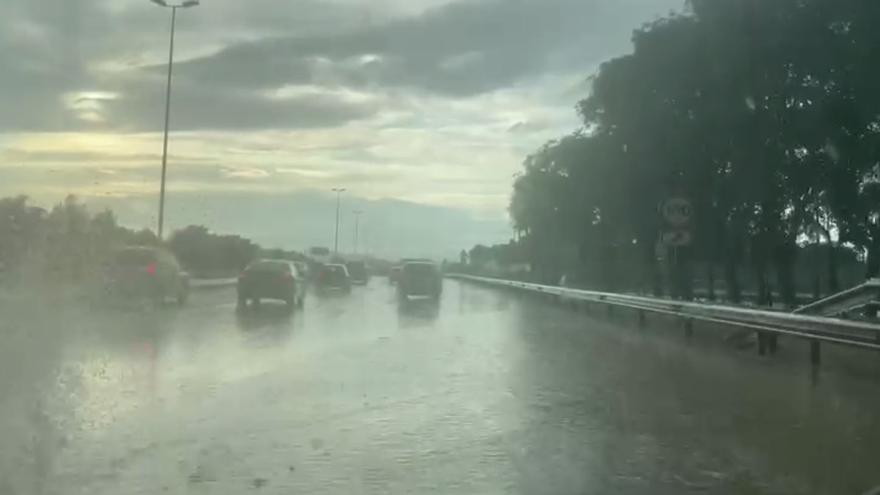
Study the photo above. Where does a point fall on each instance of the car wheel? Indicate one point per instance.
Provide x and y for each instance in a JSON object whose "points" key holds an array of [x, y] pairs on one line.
{"points": [[182, 297]]}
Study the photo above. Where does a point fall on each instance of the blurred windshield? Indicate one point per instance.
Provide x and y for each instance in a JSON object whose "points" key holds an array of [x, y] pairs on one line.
{"points": [[447, 246]]}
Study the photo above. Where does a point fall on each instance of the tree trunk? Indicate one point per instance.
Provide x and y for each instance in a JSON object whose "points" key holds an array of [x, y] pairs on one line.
{"points": [[764, 296], [873, 270], [654, 272], [785, 256], [710, 280], [685, 277], [873, 264], [833, 280], [731, 280]]}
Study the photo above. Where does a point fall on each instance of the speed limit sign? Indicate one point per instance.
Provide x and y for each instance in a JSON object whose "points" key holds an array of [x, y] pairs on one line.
{"points": [[677, 211]]}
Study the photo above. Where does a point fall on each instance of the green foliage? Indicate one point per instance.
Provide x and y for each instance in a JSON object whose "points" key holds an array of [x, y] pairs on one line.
{"points": [[206, 254], [70, 244], [764, 114], [65, 244]]}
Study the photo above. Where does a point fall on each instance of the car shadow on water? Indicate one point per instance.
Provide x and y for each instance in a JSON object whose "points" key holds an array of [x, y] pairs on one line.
{"points": [[265, 318], [417, 312]]}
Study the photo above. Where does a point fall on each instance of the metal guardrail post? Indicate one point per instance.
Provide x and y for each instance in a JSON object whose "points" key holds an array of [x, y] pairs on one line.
{"points": [[688, 328], [641, 319], [815, 353]]}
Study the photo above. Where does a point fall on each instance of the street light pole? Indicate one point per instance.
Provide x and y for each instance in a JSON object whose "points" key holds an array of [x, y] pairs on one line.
{"points": [[338, 192], [184, 5], [357, 228]]}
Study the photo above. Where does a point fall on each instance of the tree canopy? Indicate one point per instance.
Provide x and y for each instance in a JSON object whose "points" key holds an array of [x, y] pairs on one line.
{"points": [[765, 115]]}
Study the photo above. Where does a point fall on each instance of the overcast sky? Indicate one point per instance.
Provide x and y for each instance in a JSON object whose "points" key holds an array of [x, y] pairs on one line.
{"points": [[424, 108]]}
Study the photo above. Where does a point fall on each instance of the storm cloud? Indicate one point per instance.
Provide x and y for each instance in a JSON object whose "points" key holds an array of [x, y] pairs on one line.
{"points": [[50, 53], [431, 102]]}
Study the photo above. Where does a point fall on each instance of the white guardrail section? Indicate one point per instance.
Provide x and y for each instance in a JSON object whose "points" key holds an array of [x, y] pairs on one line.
{"points": [[768, 324], [212, 283], [848, 300]]}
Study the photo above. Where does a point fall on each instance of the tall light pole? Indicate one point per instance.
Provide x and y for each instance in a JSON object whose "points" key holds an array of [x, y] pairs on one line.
{"points": [[357, 228], [185, 5], [338, 192]]}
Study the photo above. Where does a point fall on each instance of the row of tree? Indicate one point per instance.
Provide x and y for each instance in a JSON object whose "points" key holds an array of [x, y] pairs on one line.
{"points": [[68, 243], [764, 115]]}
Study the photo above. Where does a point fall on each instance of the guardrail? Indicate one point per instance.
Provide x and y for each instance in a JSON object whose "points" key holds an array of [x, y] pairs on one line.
{"points": [[768, 325], [859, 296], [212, 283]]}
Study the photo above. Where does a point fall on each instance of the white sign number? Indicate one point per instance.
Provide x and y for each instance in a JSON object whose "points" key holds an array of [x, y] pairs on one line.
{"points": [[678, 211]]}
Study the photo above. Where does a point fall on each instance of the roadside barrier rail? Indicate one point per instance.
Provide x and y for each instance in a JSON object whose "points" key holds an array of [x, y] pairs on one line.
{"points": [[855, 298], [768, 325]]}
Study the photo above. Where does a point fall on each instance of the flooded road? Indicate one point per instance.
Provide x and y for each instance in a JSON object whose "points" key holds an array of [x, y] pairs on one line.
{"points": [[485, 393]]}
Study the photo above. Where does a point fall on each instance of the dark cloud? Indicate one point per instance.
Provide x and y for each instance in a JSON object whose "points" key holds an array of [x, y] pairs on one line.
{"points": [[460, 49], [141, 106], [42, 58], [50, 51]]}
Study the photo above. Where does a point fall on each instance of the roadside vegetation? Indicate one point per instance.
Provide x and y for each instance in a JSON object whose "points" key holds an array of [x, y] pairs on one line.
{"points": [[765, 116], [68, 244]]}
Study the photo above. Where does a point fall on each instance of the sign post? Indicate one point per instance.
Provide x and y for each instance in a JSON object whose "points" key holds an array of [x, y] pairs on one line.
{"points": [[677, 213]]}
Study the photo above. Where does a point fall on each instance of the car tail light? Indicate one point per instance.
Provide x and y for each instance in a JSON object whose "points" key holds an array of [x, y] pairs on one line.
{"points": [[242, 275], [287, 276], [151, 269]]}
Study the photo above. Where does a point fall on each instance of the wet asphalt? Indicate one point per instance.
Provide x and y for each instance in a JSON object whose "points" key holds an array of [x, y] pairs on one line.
{"points": [[484, 393]]}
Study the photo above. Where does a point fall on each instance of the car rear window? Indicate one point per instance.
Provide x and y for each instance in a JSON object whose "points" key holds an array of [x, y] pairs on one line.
{"points": [[420, 269], [336, 269], [269, 266], [136, 257]]}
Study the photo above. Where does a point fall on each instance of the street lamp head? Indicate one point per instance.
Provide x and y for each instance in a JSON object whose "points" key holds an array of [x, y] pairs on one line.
{"points": [[185, 5]]}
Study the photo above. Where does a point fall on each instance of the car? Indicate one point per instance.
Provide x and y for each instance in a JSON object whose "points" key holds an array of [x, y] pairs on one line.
{"points": [[334, 277], [357, 270], [146, 272], [394, 275], [278, 280], [419, 279]]}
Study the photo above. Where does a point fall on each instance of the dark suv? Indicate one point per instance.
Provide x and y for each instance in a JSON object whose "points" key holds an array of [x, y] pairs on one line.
{"points": [[146, 273], [357, 270], [420, 279], [271, 279], [333, 278]]}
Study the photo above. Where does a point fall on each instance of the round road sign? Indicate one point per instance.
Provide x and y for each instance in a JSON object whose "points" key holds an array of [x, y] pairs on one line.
{"points": [[677, 211]]}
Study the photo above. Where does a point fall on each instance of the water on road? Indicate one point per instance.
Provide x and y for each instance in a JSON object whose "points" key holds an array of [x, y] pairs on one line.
{"points": [[484, 393]]}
